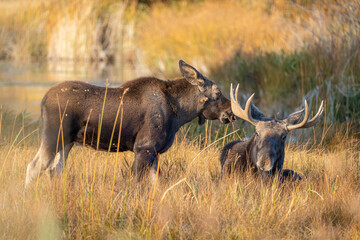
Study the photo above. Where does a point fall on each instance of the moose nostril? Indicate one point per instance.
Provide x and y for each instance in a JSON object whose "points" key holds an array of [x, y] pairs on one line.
{"points": [[227, 117], [230, 116]]}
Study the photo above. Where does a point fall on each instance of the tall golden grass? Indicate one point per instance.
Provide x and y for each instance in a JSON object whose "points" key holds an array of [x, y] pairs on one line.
{"points": [[97, 197]]}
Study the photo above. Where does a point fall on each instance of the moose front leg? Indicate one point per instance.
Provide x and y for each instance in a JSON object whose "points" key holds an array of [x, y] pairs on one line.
{"points": [[146, 160]]}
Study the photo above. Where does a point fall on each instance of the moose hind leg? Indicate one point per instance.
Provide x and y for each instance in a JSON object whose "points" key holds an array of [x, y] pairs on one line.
{"points": [[60, 160], [40, 163], [32, 169]]}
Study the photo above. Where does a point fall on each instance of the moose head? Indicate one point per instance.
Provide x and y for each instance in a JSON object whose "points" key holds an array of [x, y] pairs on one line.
{"points": [[212, 104], [266, 147]]}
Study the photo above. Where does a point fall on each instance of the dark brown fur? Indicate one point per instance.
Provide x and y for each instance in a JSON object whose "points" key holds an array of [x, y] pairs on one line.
{"points": [[153, 111], [263, 152]]}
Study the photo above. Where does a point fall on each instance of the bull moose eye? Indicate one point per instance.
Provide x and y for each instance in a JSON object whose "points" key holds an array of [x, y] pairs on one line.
{"points": [[283, 137]]}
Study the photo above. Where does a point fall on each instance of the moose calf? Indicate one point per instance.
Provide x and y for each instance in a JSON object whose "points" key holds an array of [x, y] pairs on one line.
{"points": [[152, 112], [263, 152]]}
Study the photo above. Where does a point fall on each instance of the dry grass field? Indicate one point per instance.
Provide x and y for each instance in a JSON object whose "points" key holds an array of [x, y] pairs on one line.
{"points": [[282, 50], [97, 197]]}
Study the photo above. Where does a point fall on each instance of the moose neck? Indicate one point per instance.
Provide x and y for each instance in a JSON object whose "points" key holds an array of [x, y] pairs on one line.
{"points": [[249, 150], [186, 98]]}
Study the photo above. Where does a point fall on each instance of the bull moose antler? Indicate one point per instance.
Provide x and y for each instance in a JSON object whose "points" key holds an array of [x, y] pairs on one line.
{"points": [[245, 114], [305, 123]]}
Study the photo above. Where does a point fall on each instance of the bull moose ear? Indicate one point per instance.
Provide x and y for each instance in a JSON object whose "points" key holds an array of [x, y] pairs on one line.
{"points": [[256, 113], [294, 118], [191, 74]]}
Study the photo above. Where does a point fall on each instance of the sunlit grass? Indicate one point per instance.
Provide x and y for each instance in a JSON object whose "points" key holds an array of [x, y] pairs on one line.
{"points": [[213, 31], [189, 201]]}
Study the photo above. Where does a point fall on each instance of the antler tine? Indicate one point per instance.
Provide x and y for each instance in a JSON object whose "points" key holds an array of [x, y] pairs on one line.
{"points": [[237, 94], [244, 114], [316, 118], [304, 121], [232, 94], [312, 122]]}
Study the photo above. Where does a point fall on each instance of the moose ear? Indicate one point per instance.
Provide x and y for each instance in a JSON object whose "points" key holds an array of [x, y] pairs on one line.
{"points": [[191, 74], [294, 118], [256, 113]]}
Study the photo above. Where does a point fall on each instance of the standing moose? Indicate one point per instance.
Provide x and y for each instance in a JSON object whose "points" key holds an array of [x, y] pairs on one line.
{"points": [[153, 111], [263, 152]]}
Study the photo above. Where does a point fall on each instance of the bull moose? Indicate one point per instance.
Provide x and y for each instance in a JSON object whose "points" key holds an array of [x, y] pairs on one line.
{"points": [[153, 111], [264, 151]]}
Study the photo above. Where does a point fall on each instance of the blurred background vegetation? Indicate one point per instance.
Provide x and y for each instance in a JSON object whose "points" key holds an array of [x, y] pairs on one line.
{"points": [[284, 51]]}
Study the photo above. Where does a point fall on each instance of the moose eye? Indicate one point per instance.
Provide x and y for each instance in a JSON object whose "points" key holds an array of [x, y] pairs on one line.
{"points": [[217, 94], [283, 137]]}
